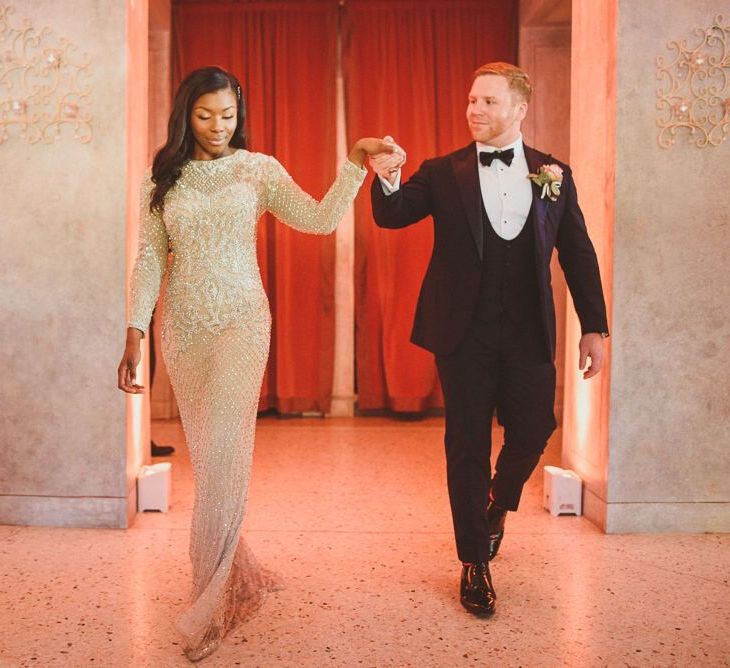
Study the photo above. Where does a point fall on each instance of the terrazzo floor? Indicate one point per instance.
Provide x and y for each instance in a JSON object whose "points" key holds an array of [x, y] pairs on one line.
{"points": [[353, 513]]}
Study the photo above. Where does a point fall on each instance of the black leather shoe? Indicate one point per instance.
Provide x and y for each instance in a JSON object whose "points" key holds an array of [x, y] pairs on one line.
{"points": [[477, 593], [161, 450], [495, 523]]}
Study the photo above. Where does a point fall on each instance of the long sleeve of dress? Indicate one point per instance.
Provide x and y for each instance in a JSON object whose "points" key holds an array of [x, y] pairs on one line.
{"points": [[290, 204], [151, 262]]}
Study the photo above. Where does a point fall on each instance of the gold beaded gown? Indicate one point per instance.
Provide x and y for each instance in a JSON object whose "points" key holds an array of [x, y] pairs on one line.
{"points": [[215, 334]]}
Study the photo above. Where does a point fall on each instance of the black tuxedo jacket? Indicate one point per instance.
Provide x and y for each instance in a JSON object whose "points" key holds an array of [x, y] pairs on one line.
{"points": [[447, 188]]}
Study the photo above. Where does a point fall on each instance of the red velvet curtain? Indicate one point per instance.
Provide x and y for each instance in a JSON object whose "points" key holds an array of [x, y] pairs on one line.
{"points": [[408, 69], [285, 55]]}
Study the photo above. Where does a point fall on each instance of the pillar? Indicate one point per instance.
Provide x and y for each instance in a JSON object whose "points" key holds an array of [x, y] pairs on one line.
{"points": [[650, 436], [71, 162]]}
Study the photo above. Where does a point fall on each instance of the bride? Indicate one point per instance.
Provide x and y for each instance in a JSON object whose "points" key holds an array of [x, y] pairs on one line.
{"points": [[202, 202]]}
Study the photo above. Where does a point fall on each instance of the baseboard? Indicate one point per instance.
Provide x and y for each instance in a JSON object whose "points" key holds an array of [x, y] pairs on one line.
{"points": [[61, 511], [669, 517], [594, 508]]}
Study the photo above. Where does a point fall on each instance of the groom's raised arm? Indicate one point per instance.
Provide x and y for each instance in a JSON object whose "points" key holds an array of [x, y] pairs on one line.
{"points": [[407, 204]]}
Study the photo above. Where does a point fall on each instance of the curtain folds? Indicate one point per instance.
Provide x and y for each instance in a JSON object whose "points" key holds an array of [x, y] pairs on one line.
{"points": [[285, 55], [408, 67]]}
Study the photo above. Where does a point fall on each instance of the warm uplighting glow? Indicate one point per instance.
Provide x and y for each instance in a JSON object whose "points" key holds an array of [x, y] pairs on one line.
{"points": [[593, 159], [138, 407], [137, 421], [584, 415]]}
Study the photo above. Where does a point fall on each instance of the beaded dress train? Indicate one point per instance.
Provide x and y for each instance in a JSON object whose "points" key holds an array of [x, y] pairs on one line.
{"points": [[215, 334]]}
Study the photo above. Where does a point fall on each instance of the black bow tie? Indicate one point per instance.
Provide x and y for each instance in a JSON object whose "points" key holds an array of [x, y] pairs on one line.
{"points": [[486, 157]]}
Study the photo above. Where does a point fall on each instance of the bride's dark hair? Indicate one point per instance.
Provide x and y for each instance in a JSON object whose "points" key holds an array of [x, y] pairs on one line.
{"points": [[178, 149]]}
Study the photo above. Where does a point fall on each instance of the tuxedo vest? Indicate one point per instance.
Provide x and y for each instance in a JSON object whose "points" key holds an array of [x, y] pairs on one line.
{"points": [[509, 277]]}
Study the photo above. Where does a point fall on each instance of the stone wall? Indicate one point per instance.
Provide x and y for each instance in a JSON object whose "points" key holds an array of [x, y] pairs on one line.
{"points": [[65, 455]]}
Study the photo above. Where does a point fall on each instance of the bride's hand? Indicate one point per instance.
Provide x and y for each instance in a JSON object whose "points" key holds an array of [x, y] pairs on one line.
{"points": [[387, 165], [371, 146], [127, 371]]}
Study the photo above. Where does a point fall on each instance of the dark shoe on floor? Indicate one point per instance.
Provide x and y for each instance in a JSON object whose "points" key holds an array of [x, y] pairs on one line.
{"points": [[161, 450], [495, 523], [477, 593]]}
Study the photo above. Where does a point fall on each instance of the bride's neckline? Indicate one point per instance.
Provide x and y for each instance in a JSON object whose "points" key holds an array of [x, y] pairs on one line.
{"points": [[216, 160]]}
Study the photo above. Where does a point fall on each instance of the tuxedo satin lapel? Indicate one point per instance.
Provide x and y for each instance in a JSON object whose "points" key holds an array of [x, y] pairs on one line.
{"points": [[539, 204], [467, 177]]}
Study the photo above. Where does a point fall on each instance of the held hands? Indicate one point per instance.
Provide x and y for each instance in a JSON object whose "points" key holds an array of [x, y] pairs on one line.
{"points": [[127, 370], [387, 165], [376, 148], [591, 345]]}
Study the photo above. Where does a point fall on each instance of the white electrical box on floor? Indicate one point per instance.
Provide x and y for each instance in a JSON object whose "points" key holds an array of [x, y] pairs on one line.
{"points": [[562, 491], [153, 487]]}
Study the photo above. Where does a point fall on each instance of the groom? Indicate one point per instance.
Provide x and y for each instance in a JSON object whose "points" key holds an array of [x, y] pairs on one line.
{"points": [[486, 307]]}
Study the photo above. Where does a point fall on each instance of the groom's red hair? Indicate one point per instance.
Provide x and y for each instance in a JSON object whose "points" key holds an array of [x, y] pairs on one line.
{"points": [[517, 79]]}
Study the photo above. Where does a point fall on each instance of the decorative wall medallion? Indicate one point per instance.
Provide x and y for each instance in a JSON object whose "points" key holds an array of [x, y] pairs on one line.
{"points": [[694, 96], [44, 85]]}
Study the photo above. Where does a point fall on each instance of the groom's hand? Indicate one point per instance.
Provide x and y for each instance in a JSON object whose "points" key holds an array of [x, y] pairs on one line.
{"points": [[371, 146], [591, 345], [387, 165]]}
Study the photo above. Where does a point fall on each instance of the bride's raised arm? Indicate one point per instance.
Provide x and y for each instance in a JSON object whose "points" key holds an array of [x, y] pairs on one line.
{"points": [[290, 204]]}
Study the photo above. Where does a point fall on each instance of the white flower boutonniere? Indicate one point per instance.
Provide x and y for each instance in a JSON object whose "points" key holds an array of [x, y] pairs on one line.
{"points": [[549, 178]]}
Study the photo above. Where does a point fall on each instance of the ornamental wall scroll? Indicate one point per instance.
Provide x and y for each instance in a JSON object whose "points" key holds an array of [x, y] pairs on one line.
{"points": [[44, 86], [694, 95]]}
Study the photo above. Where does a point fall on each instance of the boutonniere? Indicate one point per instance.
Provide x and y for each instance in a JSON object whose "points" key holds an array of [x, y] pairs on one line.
{"points": [[549, 178]]}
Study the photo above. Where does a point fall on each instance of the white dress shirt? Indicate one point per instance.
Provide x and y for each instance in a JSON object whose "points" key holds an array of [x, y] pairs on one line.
{"points": [[506, 191]]}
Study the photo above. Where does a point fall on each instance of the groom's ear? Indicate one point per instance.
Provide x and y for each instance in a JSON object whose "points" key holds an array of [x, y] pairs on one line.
{"points": [[522, 107], [520, 110]]}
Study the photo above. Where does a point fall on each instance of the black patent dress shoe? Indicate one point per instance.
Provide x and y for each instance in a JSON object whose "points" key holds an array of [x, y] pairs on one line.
{"points": [[161, 450], [495, 524], [477, 593]]}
